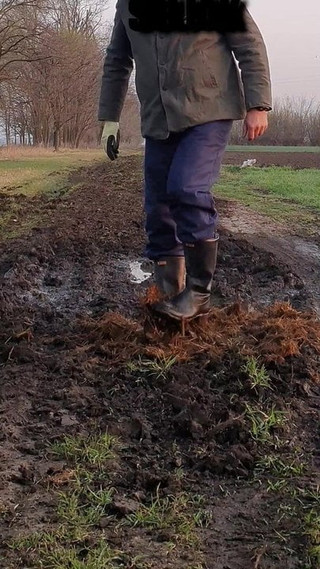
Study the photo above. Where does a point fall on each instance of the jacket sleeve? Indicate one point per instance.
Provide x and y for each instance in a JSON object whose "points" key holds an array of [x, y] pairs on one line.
{"points": [[118, 65], [250, 51]]}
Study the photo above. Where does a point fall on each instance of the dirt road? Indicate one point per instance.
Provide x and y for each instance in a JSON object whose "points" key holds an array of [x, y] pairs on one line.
{"points": [[74, 342], [300, 254]]}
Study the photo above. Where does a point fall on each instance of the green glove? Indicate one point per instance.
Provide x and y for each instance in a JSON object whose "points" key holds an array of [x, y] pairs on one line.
{"points": [[110, 139]]}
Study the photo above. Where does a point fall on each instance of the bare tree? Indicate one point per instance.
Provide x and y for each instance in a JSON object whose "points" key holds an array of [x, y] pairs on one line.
{"points": [[20, 29], [52, 97], [77, 15]]}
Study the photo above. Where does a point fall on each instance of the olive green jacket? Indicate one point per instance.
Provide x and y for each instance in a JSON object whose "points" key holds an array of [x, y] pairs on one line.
{"points": [[184, 79]]}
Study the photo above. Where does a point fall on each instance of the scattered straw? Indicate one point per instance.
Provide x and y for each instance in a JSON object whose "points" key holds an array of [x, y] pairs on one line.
{"points": [[62, 478], [274, 334], [151, 296]]}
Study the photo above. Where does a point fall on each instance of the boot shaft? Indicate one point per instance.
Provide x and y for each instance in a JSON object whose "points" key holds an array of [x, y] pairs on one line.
{"points": [[201, 261], [170, 275]]}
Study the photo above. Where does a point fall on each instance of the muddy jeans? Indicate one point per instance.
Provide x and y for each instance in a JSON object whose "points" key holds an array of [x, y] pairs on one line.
{"points": [[179, 174]]}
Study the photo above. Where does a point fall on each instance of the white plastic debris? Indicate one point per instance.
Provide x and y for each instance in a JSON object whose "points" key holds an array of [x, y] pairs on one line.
{"points": [[248, 163], [137, 274]]}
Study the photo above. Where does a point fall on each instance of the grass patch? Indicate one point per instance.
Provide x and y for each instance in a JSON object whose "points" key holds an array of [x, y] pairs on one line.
{"points": [[79, 510], [13, 222], [281, 193], [299, 507], [180, 513], [312, 531], [41, 539], [257, 374], [77, 540], [101, 557], [36, 173], [94, 450], [82, 510], [48, 554], [263, 423], [30, 172], [153, 368], [276, 466]]}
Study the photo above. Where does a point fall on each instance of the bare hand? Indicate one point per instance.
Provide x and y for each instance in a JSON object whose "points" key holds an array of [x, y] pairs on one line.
{"points": [[255, 124]]}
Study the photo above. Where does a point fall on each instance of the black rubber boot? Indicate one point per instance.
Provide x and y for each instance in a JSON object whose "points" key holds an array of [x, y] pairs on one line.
{"points": [[170, 275], [194, 300]]}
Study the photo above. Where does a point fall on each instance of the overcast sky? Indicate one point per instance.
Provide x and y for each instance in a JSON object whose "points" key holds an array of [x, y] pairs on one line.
{"points": [[291, 29]]}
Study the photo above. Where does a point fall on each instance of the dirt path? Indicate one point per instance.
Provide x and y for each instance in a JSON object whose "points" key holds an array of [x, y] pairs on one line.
{"points": [[301, 255], [81, 355]]}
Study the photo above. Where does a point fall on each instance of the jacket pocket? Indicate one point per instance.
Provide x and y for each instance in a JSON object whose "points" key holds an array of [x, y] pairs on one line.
{"points": [[199, 70], [197, 78]]}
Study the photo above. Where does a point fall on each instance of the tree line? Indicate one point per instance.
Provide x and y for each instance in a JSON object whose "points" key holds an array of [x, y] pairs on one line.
{"points": [[51, 56], [50, 66]]}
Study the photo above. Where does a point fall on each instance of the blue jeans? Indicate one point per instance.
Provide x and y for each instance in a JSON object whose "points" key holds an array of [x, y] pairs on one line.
{"points": [[179, 174]]}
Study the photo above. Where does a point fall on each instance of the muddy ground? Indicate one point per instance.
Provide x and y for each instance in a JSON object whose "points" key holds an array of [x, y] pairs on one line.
{"points": [[296, 160], [76, 342]]}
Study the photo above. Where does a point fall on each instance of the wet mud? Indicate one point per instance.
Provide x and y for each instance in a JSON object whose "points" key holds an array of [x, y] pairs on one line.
{"points": [[75, 330]]}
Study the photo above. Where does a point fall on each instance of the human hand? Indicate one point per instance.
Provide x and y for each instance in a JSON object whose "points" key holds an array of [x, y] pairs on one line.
{"points": [[255, 124]]}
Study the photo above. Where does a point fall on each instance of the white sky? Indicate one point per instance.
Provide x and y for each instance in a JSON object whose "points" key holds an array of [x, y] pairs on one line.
{"points": [[291, 29]]}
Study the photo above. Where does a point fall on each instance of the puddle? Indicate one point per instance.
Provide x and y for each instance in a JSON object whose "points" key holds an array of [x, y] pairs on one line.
{"points": [[138, 275]]}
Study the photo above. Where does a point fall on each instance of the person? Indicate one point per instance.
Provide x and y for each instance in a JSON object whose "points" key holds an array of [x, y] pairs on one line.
{"points": [[191, 87]]}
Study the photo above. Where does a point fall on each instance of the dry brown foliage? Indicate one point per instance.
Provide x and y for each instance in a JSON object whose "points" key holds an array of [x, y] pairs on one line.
{"points": [[274, 334], [152, 295], [61, 478]]}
